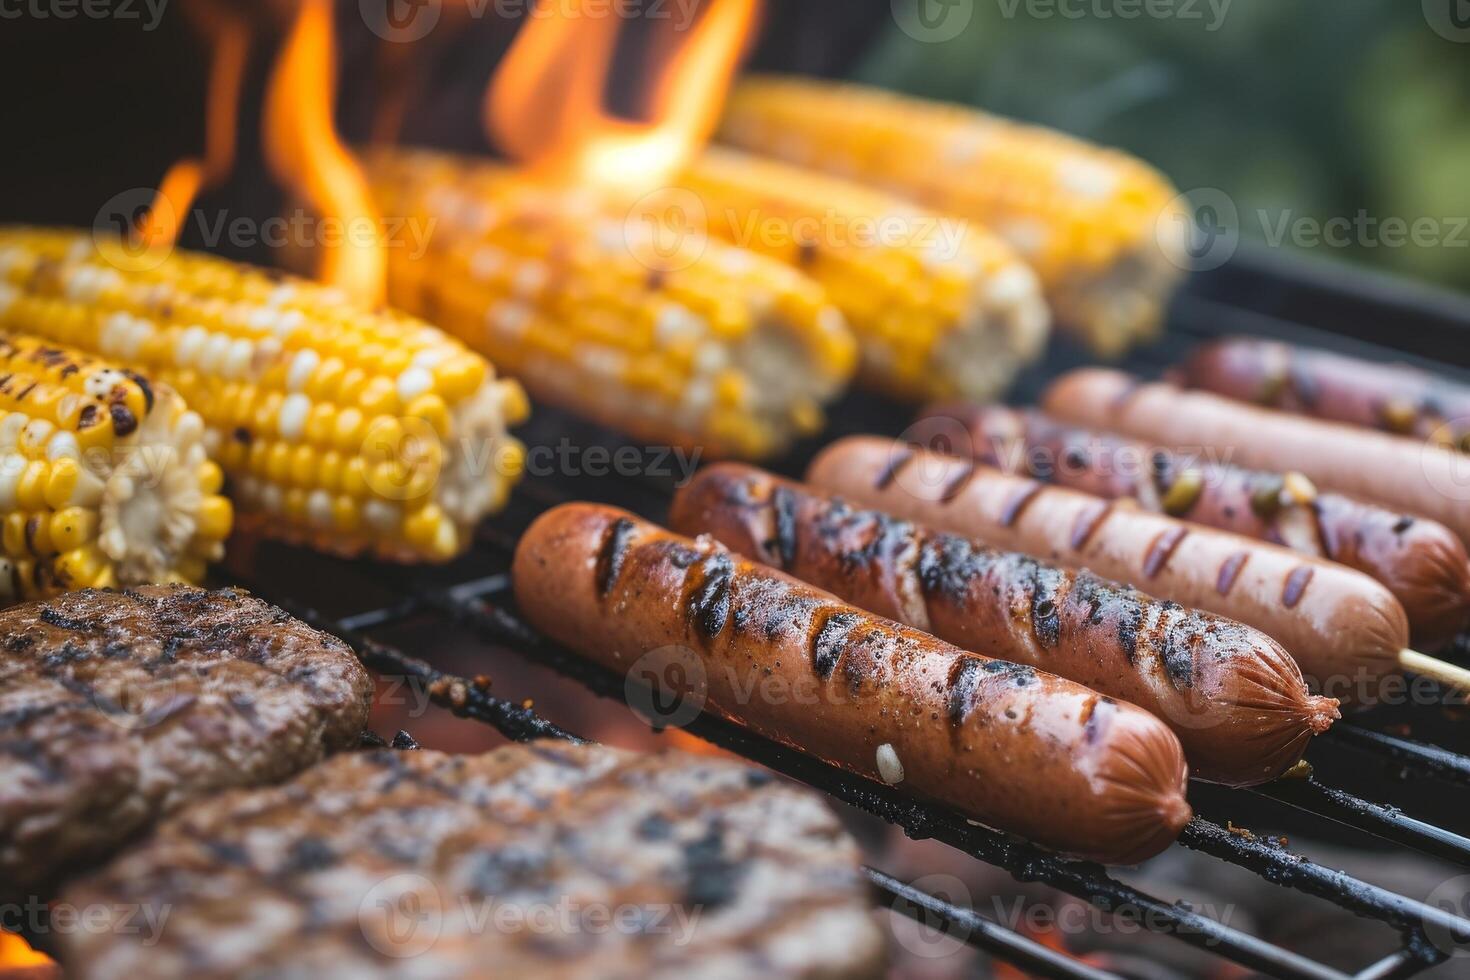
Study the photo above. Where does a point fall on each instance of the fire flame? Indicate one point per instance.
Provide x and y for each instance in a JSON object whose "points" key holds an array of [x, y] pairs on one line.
{"points": [[229, 41], [303, 150], [16, 955], [545, 104]]}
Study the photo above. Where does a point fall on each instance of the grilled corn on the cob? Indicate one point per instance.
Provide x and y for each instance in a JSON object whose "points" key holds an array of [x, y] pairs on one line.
{"points": [[692, 342], [354, 431], [103, 476], [1102, 228], [939, 306]]}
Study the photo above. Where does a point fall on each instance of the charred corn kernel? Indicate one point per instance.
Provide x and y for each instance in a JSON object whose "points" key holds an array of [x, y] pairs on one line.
{"points": [[1103, 229], [597, 308], [940, 307], [284, 374]]}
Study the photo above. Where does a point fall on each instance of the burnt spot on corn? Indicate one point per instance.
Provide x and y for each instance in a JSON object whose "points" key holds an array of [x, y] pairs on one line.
{"points": [[829, 639], [889, 473], [242, 435], [144, 387], [709, 605], [124, 422], [1013, 508], [1296, 585], [783, 507], [32, 528], [612, 554], [20, 396], [89, 417]]}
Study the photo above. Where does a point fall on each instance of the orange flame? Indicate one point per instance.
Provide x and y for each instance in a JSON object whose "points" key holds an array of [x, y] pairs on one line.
{"points": [[302, 148], [545, 104], [230, 45], [17, 957]]}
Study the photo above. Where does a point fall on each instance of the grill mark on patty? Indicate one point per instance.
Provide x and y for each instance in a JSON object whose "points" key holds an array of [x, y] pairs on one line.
{"points": [[612, 554]]}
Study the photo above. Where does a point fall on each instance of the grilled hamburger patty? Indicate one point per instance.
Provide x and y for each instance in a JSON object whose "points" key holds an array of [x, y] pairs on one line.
{"points": [[118, 707], [546, 860]]}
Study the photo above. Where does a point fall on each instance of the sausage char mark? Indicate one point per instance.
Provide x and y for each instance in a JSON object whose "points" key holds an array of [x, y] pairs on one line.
{"points": [[829, 639], [709, 605], [957, 484], [1087, 523], [1013, 508], [611, 555], [897, 462], [1161, 548], [1230, 571], [1178, 652], [1048, 589], [1296, 585], [948, 565], [783, 508]]}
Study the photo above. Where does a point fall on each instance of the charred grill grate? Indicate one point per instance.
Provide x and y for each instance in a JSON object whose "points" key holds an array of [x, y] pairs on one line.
{"points": [[473, 595]]}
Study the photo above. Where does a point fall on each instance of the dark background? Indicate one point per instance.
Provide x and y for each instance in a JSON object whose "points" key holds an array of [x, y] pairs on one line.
{"points": [[1309, 109]]}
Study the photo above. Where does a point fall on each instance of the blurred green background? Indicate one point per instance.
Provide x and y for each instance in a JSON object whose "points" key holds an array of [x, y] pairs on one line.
{"points": [[1300, 110]]}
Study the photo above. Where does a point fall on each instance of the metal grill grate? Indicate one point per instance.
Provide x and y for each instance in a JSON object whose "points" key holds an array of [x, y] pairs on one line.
{"points": [[359, 602]]}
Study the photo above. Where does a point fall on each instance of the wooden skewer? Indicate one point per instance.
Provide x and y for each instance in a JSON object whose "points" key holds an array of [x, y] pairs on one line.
{"points": [[1447, 675]]}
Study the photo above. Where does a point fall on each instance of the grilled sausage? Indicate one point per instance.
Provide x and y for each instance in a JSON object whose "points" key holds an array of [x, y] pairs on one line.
{"points": [[1393, 471], [1420, 561], [1005, 744], [1391, 397], [1344, 629], [1233, 696]]}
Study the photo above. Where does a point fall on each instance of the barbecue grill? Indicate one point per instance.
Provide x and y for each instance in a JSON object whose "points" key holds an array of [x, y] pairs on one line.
{"points": [[364, 602]]}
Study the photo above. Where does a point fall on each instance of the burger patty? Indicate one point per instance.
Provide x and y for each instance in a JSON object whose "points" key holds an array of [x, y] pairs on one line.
{"points": [[116, 708], [545, 860]]}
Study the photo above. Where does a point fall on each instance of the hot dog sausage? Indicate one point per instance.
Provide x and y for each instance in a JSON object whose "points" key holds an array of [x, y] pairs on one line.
{"points": [[1344, 629], [1007, 745], [1233, 696], [1394, 471], [1391, 397], [1420, 561]]}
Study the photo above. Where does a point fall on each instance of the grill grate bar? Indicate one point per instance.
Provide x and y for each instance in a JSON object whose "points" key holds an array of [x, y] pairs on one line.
{"points": [[1386, 822], [1416, 757], [985, 933]]}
